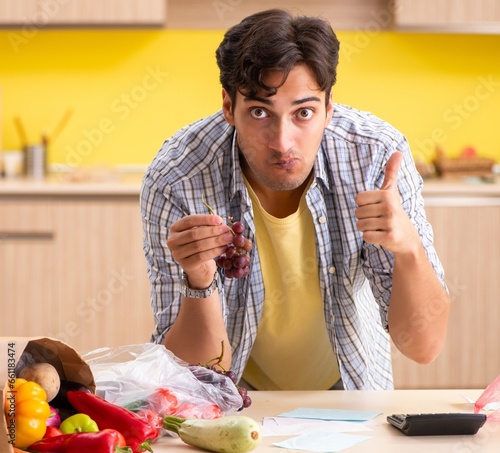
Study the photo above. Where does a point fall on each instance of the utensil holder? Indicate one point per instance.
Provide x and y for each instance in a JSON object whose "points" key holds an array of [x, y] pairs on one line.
{"points": [[36, 161]]}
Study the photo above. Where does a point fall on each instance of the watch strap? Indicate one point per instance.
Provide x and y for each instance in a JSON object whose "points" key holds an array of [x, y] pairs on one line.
{"points": [[203, 293]]}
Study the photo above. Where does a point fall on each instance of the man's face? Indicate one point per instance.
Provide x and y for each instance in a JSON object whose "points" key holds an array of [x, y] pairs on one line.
{"points": [[279, 136]]}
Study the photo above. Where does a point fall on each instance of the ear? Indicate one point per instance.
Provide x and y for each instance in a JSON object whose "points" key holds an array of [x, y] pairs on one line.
{"points": [[329, 110], [227, 107]]}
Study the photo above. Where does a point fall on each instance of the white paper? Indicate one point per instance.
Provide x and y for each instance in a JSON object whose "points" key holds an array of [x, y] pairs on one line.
{"points": [[281, 426], [330, 414], [321, 441]]}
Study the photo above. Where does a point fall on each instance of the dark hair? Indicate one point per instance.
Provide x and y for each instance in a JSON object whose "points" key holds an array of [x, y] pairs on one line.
{"points": [[276, 40]]}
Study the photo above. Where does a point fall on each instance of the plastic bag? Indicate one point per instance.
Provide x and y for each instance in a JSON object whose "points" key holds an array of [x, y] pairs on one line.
{"points": [[490, 395], [149, 376]]}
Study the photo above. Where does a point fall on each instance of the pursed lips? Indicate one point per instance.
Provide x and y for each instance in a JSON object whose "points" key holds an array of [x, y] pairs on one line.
{"points": [[286, 163]]}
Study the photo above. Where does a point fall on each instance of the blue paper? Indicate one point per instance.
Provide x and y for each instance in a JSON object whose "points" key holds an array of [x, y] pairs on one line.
{"points": [[330, 414], [321, 441]]}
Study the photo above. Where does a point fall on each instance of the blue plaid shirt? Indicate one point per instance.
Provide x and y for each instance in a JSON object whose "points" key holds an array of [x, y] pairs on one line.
{"points": [[355, 277]]}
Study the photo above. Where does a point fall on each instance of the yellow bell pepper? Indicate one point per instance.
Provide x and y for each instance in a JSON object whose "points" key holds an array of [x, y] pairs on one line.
{"points": [[26, 411]]}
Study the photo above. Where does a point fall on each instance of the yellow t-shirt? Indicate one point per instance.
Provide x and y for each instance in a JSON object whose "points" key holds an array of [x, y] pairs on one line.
{"points": [[292, 350]]}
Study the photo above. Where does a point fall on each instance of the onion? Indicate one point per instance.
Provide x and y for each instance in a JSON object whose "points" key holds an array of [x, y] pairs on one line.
{"points": [[54, 418]]}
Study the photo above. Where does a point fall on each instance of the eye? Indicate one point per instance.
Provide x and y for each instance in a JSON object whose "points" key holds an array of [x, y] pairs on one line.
{"points": [[305, 114], [258, 113]]}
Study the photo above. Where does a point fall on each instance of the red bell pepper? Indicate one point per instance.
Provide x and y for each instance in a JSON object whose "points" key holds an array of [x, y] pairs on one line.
{"points": [[137, 432], [105, 441]]}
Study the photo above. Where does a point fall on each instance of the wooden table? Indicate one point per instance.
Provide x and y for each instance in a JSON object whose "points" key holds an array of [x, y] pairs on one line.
{"points": [[385, 438]]}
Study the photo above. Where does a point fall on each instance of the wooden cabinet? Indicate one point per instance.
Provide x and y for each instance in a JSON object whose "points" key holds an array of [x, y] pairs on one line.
{"points": [[468, 243], [467, 16], [82, 12], [474, 16], [72, 267], [366, 15], [193, 14]]}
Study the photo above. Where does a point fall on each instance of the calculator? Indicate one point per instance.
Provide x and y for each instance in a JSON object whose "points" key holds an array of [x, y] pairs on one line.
{"points": [[437, 424]]}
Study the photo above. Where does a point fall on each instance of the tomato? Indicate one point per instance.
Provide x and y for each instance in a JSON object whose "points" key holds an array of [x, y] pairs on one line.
{"points": [[212, 411], [163, 402], [52, 431], [205, 411], [152, 417]]}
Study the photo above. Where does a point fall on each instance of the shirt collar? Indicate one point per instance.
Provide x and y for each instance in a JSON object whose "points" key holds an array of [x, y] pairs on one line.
{"points": [[237, 183], [321, 172]]}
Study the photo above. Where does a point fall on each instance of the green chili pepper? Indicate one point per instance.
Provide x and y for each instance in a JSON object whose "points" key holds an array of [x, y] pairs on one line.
{"points": [[79, 423]]}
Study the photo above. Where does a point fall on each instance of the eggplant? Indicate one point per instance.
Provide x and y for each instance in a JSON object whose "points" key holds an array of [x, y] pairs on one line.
{"points": [[61, 401]]}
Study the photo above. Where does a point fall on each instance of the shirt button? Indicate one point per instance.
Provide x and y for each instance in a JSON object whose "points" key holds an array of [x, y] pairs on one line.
{"points": [[322, 219], [331, 270]]}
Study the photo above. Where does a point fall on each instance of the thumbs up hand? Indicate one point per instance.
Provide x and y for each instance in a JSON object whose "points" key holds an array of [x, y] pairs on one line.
{"points": [[391, 171], [380, 215]]}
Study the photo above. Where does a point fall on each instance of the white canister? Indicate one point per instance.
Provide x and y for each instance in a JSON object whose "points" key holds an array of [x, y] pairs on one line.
{"points": [[13, 163]]}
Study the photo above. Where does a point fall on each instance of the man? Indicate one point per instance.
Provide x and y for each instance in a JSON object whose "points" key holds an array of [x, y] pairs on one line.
{"points": [[330, 198]]}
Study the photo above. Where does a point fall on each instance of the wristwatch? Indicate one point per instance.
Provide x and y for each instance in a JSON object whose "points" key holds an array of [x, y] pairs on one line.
{"points": [[186, 291]]}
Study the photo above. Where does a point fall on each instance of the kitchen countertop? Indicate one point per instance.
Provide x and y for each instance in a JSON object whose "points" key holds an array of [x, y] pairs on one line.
{"points": [[117, 183], [382, 437], [61, 184], [461, 187], [461, 192]]}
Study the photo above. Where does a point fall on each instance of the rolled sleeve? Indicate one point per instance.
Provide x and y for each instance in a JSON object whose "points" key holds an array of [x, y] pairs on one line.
{"points": [[157, 209]]}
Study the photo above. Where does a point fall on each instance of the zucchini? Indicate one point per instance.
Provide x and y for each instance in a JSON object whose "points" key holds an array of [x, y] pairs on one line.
{"points": [[229, 434]]}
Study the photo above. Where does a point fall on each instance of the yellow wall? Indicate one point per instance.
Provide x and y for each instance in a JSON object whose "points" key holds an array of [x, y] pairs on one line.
{"points": [[129, 90]]}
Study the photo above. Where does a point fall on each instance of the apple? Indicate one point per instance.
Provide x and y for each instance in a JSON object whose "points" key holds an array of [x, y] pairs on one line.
{"points": [[469, 152]]}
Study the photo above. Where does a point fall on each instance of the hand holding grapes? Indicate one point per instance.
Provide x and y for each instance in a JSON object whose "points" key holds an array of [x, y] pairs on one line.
{"points": [[200, 241], [196, 241]]}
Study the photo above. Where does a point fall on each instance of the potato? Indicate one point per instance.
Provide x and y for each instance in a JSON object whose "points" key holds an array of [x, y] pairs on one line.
{"points": [[45, 375]]}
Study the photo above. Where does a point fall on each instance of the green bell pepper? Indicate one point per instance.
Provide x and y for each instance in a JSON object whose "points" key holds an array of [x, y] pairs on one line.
{"points": [[79, 423]]}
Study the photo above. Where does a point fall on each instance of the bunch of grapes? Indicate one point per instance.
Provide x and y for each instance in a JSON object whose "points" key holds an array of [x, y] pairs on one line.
{"points": [[247, 401], [235, 260], [218, 378]]}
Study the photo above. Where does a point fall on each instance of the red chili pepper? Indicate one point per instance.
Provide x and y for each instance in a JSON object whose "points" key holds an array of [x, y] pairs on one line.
{"points": [[138, 433], [105, 441]]}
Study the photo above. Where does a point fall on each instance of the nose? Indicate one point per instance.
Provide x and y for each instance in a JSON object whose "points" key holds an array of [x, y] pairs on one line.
{"points": [[281, 135]]}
